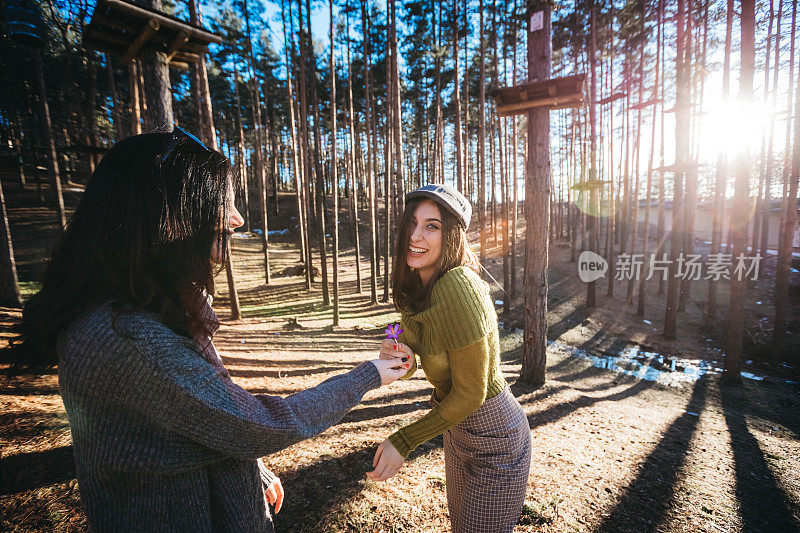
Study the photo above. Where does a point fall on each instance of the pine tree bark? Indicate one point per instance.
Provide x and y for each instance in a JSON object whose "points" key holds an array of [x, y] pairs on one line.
{"points": [[457, 104], [258, 153], [352, 175], [721, 178], [334, 179], [681, 157], [788, 215], [738, 223], [56, 198], [537, 209], [591, 287], [133, 90], [482, 142], [397, 115], [370, 160], [155, 73], [9, 283], [321, 210]]}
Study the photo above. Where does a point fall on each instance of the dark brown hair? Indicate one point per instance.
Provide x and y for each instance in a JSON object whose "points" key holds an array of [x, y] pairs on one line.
{"points": [[409, 294], [141, 238]]}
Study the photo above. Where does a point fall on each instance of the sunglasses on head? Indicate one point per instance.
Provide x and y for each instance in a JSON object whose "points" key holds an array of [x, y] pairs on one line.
{"points": [[177, 132]]}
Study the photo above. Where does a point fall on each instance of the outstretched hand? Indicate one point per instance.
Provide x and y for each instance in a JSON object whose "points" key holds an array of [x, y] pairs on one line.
{"points": [[391, 350], [386, 463]]}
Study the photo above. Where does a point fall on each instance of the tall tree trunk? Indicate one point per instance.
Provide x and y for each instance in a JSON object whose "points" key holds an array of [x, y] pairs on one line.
{"points": [[334, 178], [369, 162], [56, 198], [303, 143], [133, 90], [258, 153], [591, 287], [397, 114], [155, 73], [116, 112], [681, 159], [738, 223], [91, 112], [721, 178], [788, 223], [457, 103], [537, 209], [612, 226], [766, 203], [512, 295], [482, 142], [9, 283], [648, 205], [351, 159], [760, 193], [240, 149], [321, 211], [691, 182], [296, 161]]}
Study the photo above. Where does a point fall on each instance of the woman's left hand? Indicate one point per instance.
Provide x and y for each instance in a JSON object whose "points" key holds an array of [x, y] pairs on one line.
{"points": [[274, 494], [387, 462]]}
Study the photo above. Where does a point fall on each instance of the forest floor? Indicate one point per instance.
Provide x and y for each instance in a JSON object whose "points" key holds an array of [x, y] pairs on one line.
{"points": [[611, 451]]}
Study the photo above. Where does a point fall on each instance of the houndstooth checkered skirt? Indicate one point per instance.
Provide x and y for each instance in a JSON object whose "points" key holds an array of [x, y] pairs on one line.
{"points": [[487, 460]]}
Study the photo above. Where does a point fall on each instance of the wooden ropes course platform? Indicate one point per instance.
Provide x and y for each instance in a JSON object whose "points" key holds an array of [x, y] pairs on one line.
{"points": [[123, 28], [555, 93]]}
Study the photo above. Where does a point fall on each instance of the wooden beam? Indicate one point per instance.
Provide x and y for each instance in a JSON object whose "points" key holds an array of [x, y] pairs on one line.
{"points": [[567, 100], [648, 103], [612, 97], [165, 21], [176, 44], [148, 31]]}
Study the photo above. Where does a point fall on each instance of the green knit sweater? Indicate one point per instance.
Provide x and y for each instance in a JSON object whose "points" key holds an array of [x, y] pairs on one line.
{"points": [[456, 341]]}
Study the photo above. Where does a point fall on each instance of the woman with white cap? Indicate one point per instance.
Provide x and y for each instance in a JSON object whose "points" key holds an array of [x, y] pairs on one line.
{"points": [[450, 329]]}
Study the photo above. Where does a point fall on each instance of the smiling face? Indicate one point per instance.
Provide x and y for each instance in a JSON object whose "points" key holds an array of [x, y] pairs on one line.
{"points": [[425, 239]]}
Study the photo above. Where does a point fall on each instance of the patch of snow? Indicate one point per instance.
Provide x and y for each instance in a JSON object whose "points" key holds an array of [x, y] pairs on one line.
{"points": [[652, 366]]}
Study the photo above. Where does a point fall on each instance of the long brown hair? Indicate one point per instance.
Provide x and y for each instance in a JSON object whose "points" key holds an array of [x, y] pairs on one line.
{"points": [[408, 292], [141, 237]]}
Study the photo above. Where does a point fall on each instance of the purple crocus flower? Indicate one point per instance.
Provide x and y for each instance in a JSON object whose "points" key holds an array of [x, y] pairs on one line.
{"points": [[392, 331]]}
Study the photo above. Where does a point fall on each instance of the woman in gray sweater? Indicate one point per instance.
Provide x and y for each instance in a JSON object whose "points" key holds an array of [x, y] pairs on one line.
{"points": [[163, 439]]}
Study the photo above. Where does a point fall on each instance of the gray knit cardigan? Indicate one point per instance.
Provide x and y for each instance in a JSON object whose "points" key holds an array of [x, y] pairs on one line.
{"points": [[164, 440]]}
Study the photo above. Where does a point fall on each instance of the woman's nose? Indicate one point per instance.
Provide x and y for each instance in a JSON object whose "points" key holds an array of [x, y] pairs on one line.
{"points": [[416, 234], [235, 220]]}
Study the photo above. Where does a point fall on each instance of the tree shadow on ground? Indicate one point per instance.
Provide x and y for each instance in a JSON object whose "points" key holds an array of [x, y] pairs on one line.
{"points": [[763, 504], [560, 410], [569, 321], [27, 471], [314, 490], [647, 499]]}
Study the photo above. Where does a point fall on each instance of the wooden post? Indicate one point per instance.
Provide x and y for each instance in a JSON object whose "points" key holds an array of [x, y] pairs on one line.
{"points": [[133, 88], [155, 70], [537, 199]]}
